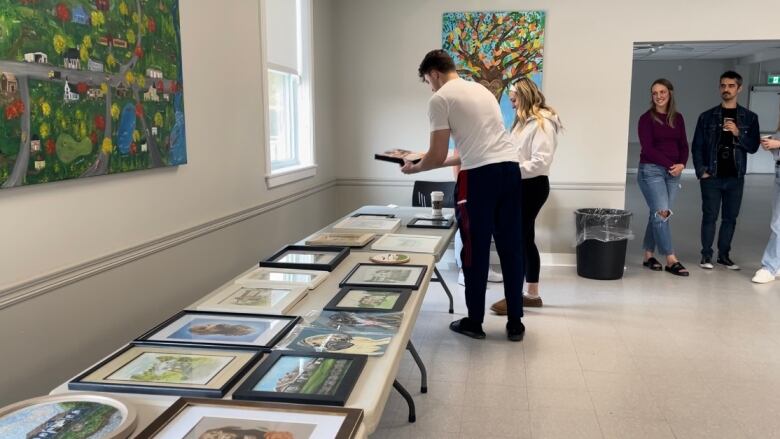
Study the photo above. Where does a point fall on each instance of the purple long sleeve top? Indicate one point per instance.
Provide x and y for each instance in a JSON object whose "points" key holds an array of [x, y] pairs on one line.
{"points": [[661, 144]]}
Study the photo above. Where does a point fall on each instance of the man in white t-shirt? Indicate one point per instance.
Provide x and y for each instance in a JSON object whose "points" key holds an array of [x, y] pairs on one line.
{"points": [[487, 192]]}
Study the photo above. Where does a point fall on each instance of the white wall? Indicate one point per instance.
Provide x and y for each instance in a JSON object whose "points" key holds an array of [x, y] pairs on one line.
{"points": [[48, 338], [587, 78]]}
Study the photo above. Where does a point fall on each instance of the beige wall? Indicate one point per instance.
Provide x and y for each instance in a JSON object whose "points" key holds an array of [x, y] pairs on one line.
{"points": [[46, 228]]}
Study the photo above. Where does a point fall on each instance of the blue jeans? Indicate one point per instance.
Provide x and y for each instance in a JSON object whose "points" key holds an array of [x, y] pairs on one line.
{"points": [[771, 259], [660, 190], [724, 195]]}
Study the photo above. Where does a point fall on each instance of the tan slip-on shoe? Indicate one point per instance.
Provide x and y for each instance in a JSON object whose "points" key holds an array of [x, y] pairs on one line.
{"points": [[529, 302]]}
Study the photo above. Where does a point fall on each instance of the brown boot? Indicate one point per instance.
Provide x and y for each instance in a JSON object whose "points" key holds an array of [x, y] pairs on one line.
{"points": [[499, 307], [532, 302]]}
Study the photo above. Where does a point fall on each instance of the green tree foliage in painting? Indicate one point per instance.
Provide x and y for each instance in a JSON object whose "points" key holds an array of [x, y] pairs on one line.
{"points": [[495, 48]]}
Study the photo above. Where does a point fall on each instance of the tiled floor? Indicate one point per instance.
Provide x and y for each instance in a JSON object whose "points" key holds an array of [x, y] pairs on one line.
{"points": [[649, 356]]}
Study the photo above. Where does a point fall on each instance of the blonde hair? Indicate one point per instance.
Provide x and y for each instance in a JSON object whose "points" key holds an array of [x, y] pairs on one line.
{"points": [[671, 106], [530, 102]]}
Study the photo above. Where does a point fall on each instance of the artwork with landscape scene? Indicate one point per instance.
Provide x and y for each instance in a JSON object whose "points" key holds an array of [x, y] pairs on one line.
{"points": [[89, 87], [63, 420]]}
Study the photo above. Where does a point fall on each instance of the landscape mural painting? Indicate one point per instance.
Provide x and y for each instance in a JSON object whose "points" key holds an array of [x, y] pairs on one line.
{"points": [[305, 375], [496, 49], [89, 87], [65, 420]]}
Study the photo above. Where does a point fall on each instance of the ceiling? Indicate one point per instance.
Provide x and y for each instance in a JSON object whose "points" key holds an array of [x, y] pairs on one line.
{"points": [[702, 50]]}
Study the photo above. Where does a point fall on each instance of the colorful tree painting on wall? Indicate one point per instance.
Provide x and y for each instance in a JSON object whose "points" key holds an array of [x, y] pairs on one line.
{"points": [[495, 49], [89, 87]]}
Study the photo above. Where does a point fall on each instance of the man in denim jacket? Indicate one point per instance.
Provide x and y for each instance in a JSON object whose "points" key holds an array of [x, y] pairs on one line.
{"points": [[724, 136]]}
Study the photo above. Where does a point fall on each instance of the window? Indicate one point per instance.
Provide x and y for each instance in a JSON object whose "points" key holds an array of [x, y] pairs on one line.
{"points": [[287, 63]]}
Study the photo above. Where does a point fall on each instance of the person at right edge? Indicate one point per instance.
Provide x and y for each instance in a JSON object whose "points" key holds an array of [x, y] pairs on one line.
{"points": [[488, 189], [535, 131], [724, 136]]}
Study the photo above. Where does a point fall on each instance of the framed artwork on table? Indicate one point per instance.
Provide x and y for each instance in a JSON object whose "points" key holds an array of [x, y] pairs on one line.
{"points": [[374, 322], [431, 223], [191, 418], [385, 276], [70, 415], [341, 239], [305, 257], [379, 215], [357, 299], [222, 329], [303, 378], [312, 339], [407, 243], [267, 300], [168, 370], [264, 277], [368, 224]]}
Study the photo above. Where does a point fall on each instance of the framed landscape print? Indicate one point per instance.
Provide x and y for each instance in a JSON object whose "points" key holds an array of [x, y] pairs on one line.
{"points": [[305, 257], [264, 277], [191, 418], [341, 239], [368, 224], [303, 378], [385, 275], [431, 223], [311, 339], [268, 300], [71, 416], [363, 300], [208, 328], [168, 370], [375, 322], [407, 243]]}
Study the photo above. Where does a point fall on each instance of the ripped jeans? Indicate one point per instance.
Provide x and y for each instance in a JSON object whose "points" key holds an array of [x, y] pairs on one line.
{"points": [[660, 190]]}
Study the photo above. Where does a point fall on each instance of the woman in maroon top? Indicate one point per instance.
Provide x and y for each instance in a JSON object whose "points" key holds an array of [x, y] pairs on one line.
{"points": [[663, 158]]}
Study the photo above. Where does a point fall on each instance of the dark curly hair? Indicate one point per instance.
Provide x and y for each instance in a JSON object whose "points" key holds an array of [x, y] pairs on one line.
{"points": [[438, 60]]}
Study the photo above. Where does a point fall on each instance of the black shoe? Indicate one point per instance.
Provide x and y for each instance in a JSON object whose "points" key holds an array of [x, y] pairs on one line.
{"points": [[468, 328], [724, 260], [706, 263], [515, 330]]}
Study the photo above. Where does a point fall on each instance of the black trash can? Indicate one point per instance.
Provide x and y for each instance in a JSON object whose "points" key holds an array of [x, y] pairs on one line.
{"points": [[602, 240]]}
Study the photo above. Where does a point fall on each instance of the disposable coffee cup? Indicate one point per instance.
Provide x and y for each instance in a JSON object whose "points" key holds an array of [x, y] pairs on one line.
{"points": [[437, 202]]}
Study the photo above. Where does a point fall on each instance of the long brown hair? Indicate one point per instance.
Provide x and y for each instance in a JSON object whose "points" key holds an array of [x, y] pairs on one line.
{"points": [[530, 102], [671, 106]]}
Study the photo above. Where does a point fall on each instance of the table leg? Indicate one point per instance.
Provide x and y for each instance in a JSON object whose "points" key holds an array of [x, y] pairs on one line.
{"points": [[412, 414], [440, 279], [421, 365]]}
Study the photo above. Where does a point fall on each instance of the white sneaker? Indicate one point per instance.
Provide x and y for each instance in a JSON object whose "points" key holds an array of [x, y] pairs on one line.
{"points": [[461, 278], [763, 276], [494, 276]]}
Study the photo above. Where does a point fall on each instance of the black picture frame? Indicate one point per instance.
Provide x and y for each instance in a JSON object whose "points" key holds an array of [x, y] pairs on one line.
{"points": [[246, 390], [340, 254], [416, 286], [383, 215], [292, 321], [446, 223], [403, 297], [77, 383]]}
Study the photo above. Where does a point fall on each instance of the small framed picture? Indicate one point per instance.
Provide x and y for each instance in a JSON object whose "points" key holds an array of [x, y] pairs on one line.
{"points": [[431, 223], [222, 329], [305, 257], [70, 415], [264, 277], [303, 378], [341, 239], [357, 299], [407, 243], [374, 322], [268, 300], [191, 418], [312, 339], [379, 215], [168, 370], [385, 275], [368, 224]]}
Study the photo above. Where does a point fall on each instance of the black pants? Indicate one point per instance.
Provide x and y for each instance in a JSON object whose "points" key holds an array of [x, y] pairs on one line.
{"points": [[535, 193], [488, 203], [724, 195]]}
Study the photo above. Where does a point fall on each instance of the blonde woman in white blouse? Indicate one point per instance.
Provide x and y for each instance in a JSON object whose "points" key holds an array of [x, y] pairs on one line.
{"points": [[535, 133]]}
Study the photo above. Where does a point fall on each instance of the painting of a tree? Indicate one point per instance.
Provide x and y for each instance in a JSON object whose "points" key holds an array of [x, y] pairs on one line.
{"points": [[495, 49]]}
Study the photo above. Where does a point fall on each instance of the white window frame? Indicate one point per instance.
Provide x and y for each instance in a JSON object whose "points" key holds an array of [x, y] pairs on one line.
{"points": [[307, 168]]}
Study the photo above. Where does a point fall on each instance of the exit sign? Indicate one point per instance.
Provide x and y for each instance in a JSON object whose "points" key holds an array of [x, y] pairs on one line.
{"points": [[773, 79]]}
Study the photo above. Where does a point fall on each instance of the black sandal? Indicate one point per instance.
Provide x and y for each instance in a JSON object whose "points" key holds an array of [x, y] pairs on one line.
{"points": [[677, 269], [653, 264]]}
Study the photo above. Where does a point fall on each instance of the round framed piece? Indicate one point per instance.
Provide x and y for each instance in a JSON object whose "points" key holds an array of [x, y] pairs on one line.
{"points": [[72, 415], [390, 258]]}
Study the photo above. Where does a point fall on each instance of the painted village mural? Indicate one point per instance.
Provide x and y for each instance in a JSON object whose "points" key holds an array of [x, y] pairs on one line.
{"points": [[89, 87]]}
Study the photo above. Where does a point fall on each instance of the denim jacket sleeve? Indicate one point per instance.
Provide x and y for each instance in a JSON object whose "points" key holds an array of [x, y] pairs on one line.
{"points": [[750, 141], [698, 145]]}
